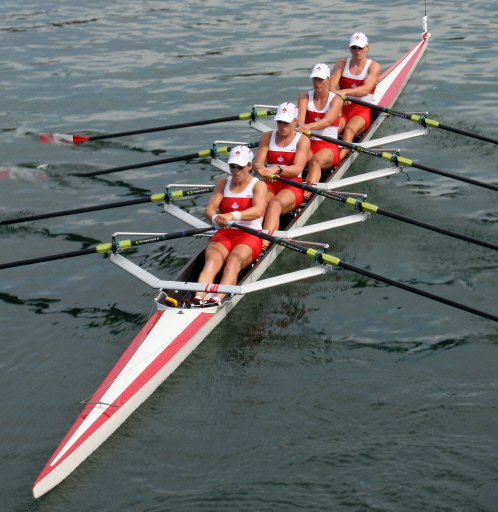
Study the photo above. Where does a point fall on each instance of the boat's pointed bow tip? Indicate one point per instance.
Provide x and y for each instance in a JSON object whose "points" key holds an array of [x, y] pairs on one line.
{"points": [[37, 491]]}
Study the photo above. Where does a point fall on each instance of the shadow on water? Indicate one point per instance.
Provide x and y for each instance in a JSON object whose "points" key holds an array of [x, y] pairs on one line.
{"points": [[20, 229], [117, 320]]}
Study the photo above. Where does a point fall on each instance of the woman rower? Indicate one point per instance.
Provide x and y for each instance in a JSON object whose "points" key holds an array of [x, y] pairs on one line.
{"points": [[355, 76], [241, 198], [285, 152], [320, 111]]}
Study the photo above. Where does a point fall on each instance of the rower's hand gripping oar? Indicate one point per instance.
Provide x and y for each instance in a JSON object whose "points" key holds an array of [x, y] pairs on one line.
{"points": [[420, 119], [155, 198], [206, 153], [322, 257], [109, 247], [60, 138], [362, 206], [400, 161]]}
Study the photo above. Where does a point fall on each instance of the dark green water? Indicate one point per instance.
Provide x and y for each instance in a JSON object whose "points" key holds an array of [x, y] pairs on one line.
{"points": [[337, 394]]}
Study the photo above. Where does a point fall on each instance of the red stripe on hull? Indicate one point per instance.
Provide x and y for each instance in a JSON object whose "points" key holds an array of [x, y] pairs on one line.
{"points": [[157, 364], [398, 82]]}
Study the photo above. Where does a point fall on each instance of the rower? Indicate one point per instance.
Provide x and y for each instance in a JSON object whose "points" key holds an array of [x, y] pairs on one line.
{"points": [[240, 198], [355, 76], [320, 111], [285, 152]]}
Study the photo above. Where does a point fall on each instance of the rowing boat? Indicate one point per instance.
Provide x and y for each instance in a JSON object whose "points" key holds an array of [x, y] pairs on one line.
{"points": [[173, 332]]}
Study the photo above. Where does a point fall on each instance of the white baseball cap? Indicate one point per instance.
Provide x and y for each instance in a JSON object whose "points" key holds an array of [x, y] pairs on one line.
{"points": [[321, 70], [240, 155], [286, 112], [358, 39]]}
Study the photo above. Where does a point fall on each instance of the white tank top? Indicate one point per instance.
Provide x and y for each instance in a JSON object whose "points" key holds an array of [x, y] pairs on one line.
{"points": [[360, 78], [329, 131], [229, 203]]}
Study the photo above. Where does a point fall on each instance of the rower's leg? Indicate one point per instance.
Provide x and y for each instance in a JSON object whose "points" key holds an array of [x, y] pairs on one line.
{"points": [[355, 126], [240, 256], [322, 159], [282, 203], [215, 257]]}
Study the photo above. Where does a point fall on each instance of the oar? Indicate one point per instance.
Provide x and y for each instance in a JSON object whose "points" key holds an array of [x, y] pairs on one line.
{"points": [[401, 161], [421, 119], [60, 138], [323, 258], [362, 206], [106, 248], [156, 198], [206, 153]]}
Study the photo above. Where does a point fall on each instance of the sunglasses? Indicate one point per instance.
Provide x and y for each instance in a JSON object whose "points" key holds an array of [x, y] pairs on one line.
{"points": [[237, 167], [282, 122], [356, 48]]}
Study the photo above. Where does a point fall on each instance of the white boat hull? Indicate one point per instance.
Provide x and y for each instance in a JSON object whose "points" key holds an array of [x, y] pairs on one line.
{"points": [[172, 334]]}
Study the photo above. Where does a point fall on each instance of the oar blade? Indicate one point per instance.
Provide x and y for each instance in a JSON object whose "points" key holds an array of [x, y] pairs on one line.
{"points": [[61, 138]]}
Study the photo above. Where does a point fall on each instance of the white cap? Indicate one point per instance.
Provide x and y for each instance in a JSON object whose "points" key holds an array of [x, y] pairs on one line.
{"points": [[240, 155], [286, 112], [358, 39], [321, 70]]}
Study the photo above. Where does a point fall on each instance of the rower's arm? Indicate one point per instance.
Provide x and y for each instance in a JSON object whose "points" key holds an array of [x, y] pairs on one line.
{"points": [[336, 74], [263, 147]]}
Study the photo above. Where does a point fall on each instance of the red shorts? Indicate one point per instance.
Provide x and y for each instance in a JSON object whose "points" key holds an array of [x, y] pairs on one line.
{"points": [[277, 186], [229, 238], [352, 110], [316, 145]]}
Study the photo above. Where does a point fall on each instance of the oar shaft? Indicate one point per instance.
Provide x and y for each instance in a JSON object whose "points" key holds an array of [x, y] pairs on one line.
{"points": [[399, 160], [417, 291], [436, 229], [75, 211], [205, 153], [156, 198], [43, 259], [49, 138], [463, 132], [106, 248], [165, 128], [328, 259], [143, 164], [371, 208], [406, 162], [424, 121]]}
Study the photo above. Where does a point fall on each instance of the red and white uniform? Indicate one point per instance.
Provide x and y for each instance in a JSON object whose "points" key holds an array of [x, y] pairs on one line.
{"points": [[284, 156], [349, 81], [281, 155], [313, 115], [239, 202]]}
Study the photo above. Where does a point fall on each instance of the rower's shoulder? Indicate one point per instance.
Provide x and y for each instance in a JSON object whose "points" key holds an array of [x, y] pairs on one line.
{"points": [[339, 64], [374, 65]]}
